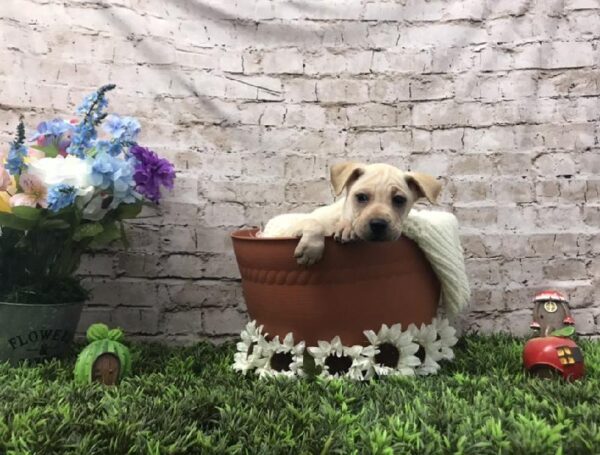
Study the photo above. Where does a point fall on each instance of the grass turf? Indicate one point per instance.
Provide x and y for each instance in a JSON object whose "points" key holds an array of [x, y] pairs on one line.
{"points": [[189, 401]]}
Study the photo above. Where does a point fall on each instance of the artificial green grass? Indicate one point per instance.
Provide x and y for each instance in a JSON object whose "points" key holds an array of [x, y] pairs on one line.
{"points": [[189, 401]]}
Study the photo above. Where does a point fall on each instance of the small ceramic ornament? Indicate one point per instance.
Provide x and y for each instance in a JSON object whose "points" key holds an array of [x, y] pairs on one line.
{"points": [[105, 359], [550, 312], [553, 353]]}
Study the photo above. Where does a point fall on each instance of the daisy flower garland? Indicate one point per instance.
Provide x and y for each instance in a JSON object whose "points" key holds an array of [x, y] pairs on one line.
{"points": [[391, 352]]}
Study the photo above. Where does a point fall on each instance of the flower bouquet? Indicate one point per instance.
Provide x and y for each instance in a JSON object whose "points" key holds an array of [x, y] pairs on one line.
{"points": [[70, 190]]}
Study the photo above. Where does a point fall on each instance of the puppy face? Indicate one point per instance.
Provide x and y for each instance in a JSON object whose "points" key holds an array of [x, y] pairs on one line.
{"points": [[379, 197]]}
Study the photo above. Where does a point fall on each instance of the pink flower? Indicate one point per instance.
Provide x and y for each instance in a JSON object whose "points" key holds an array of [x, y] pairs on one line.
{"points": [[34, 192], [35, 155], [5, 180]]}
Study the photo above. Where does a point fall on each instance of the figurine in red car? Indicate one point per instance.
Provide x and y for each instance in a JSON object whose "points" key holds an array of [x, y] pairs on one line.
{"points": [[553, 353]]}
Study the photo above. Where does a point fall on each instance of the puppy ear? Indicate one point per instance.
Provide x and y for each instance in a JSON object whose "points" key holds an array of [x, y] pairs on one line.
{"points": [[344, 174], [424, 185]]}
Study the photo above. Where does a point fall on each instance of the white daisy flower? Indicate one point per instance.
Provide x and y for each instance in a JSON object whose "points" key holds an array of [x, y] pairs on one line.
{"points": [[430, 348], [332, 359], [242, 363], [293, 353], [281, 358], [250, 336], [252, 333], [447, 336], [361, 368], [394, 351], [249, 355], [266, 349]]}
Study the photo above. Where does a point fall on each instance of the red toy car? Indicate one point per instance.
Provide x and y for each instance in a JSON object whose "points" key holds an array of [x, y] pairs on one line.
{"points": [[548, 356]]}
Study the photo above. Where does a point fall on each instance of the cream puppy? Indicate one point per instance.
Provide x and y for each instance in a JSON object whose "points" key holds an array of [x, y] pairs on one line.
{"points": [[377, 200]]}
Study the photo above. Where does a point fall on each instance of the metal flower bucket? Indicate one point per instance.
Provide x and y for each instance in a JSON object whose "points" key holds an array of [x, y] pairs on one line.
{"points": [[37, 332]]}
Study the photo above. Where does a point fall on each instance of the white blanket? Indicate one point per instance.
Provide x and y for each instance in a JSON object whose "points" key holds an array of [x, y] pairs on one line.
{"points": [[436, 233]]}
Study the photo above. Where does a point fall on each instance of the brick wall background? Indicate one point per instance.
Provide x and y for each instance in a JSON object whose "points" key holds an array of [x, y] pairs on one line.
{"points": [[254, 99]]}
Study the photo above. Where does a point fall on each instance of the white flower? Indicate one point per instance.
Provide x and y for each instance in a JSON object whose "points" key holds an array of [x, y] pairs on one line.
{"points": [[329, 354], [427, 338], [336, 360], [243, 362], [70, 170], [395, 351], [361, 368], [92, 207], [252, 333], [250, 350], [281, 359], [265, 350], [297, 352], [447, 336]]}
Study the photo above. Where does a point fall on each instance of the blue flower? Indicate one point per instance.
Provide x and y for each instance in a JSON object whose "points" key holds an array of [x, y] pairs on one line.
{"points": [[111, 147], [83, 136], [123, 129], [111, 173], [56, 132], [15, 161], [61, 196], [54, 128], [94, 99]]}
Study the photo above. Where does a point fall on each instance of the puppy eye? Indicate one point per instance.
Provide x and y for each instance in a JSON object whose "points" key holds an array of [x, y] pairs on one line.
{"points": [[362, 197], [398, 200]]}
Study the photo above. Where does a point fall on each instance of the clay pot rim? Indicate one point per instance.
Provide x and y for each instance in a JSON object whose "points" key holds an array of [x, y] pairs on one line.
{"points": [[250, 235]]}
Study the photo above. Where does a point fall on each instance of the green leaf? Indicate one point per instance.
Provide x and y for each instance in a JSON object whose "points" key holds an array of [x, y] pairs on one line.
{"points": [[563, 332], [49, 150], [27, 213], [87, 230], [8, 220], [48, 225], [109, 233], [128, 211]]}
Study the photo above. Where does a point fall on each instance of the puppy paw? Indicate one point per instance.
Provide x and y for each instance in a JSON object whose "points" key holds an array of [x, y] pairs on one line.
{"points": [[344, 232], [308, 253]]}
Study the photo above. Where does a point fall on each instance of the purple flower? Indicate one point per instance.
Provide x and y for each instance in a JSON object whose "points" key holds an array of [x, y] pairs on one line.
{"points": [[151, 172]]}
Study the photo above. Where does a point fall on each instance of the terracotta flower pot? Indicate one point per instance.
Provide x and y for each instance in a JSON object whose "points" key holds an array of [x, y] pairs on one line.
{"points": [[355, 287]]}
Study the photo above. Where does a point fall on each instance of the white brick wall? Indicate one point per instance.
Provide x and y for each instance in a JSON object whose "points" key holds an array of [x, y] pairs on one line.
{"points": [[254, 99]]}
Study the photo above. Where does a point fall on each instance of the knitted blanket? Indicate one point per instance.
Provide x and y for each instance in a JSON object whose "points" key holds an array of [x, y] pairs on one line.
{"points": [[436, 233]]}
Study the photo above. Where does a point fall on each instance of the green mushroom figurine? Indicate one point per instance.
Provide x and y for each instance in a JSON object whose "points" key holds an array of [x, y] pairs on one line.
{"points": [[105, 359]]}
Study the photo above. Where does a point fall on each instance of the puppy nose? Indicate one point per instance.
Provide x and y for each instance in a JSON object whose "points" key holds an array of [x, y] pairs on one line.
{"points": [[378, 226]]}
